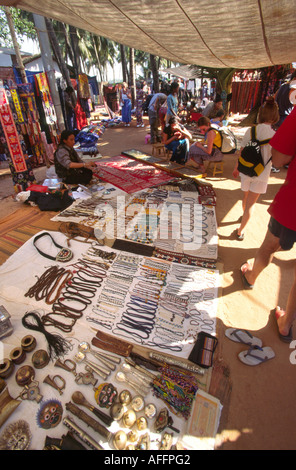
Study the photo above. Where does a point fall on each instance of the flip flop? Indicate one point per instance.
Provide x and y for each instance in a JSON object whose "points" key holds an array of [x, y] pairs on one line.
{"points": [[285, 338], [255, 355], [239, 237], [246, 284], [242, 336]]}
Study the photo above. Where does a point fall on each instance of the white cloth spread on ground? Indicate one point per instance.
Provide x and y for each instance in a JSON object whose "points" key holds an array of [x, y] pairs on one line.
{"points": [[20, 272]]}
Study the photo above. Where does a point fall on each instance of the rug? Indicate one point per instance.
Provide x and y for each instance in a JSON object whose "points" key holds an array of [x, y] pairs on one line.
{"points": [[20, 226], [131, 175]]}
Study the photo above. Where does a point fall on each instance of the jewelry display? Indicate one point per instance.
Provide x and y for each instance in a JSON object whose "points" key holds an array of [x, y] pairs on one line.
{"points": [[81, 434], [123, 296], [177, 389], [64, 255], [79, 399], [57, 345]]}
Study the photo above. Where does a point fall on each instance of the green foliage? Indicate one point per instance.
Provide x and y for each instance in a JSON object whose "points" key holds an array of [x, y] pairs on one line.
{"points": [[23, 24]]}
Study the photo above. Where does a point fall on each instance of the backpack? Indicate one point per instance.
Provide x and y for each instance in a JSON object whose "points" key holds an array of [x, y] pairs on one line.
{"points": [[250, 162], [228, 139], [146, 103]]}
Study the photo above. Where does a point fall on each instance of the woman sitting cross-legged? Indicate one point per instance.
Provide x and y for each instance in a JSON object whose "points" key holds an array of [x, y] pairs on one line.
{"points": [[176, 138], [200, 152], [68, 165]]}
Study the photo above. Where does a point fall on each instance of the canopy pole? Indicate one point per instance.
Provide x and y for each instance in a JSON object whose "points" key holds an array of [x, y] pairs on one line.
{"points": [[15, 45], [48, 65]]}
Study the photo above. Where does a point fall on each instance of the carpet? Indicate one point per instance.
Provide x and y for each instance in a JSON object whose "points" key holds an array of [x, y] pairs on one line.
{"points": [[131, 175], [20, 226]]}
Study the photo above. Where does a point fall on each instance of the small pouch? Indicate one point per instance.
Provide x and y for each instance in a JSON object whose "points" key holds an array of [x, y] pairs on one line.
{"points": [[203, 350]]}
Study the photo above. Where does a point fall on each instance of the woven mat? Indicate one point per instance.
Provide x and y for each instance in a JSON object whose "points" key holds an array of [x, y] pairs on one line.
{"points": [[20, 226]]}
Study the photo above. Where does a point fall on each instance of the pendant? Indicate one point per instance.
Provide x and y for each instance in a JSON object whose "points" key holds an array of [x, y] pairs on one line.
{"points": [[64, 255]]}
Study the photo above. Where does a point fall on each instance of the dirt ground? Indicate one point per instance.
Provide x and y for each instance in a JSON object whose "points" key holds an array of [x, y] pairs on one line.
{"points": [[261, 414]]}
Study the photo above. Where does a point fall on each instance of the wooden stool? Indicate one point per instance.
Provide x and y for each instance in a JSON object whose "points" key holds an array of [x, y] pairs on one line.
{"points": [[168, 153], [158, 150], [216, 167]]}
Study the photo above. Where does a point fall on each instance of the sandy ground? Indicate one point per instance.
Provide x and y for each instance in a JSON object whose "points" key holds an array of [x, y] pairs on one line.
{"points": [[262, 412]]}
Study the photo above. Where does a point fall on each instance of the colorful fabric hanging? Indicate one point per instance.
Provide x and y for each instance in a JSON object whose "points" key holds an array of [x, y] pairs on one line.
{"points": [[11, 135]]}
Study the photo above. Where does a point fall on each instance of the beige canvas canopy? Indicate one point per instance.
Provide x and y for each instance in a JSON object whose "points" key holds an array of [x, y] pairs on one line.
{"points": [[209, 33]]}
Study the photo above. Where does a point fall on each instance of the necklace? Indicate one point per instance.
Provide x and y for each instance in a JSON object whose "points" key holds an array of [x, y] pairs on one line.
{"points": [[63, 255]]}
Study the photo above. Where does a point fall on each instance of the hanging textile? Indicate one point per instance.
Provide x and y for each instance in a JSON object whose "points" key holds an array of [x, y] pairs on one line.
{"points": [[9, 128], [47, 102], [14, 146], [83, 86]]}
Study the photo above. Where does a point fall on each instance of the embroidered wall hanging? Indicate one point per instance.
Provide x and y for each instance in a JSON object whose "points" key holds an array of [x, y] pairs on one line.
{"points": [[11, 134]]}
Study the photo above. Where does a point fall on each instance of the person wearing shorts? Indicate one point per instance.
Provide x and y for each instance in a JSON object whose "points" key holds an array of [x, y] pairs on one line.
{"points": [[254, 186], [281, 233]]}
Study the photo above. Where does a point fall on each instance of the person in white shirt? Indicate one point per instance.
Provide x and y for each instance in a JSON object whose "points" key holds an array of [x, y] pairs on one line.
{"points": [[253, 186]]}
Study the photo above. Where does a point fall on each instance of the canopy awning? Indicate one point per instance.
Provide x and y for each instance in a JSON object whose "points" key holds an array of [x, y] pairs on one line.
{"points": [[211, 33], [184, 71]]}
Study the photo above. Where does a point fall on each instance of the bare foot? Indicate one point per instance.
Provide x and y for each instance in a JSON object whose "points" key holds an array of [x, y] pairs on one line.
{"points": [[281, 321], [246, 269]]}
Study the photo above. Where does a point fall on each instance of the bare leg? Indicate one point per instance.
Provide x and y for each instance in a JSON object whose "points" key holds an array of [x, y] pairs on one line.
{"points": [[244, 200], [249, 201], [285, 318], [264, 255]]}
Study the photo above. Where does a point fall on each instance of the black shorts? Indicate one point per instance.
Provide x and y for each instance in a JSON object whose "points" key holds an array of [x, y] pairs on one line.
{"points": [[286, 235]]}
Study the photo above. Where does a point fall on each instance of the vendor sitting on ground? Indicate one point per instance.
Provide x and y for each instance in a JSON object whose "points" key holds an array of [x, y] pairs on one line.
{"points": [[209, 149], [176, 138], [68, 165]]}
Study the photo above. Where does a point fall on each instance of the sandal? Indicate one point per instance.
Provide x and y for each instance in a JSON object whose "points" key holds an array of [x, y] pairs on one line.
{"points": [[255, 355], [243, 336], [285, 338], [239, 237], [246, 283]]}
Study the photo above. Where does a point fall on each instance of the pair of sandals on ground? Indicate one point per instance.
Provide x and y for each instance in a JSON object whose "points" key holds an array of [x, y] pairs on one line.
{"points": [[256, 354]]}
